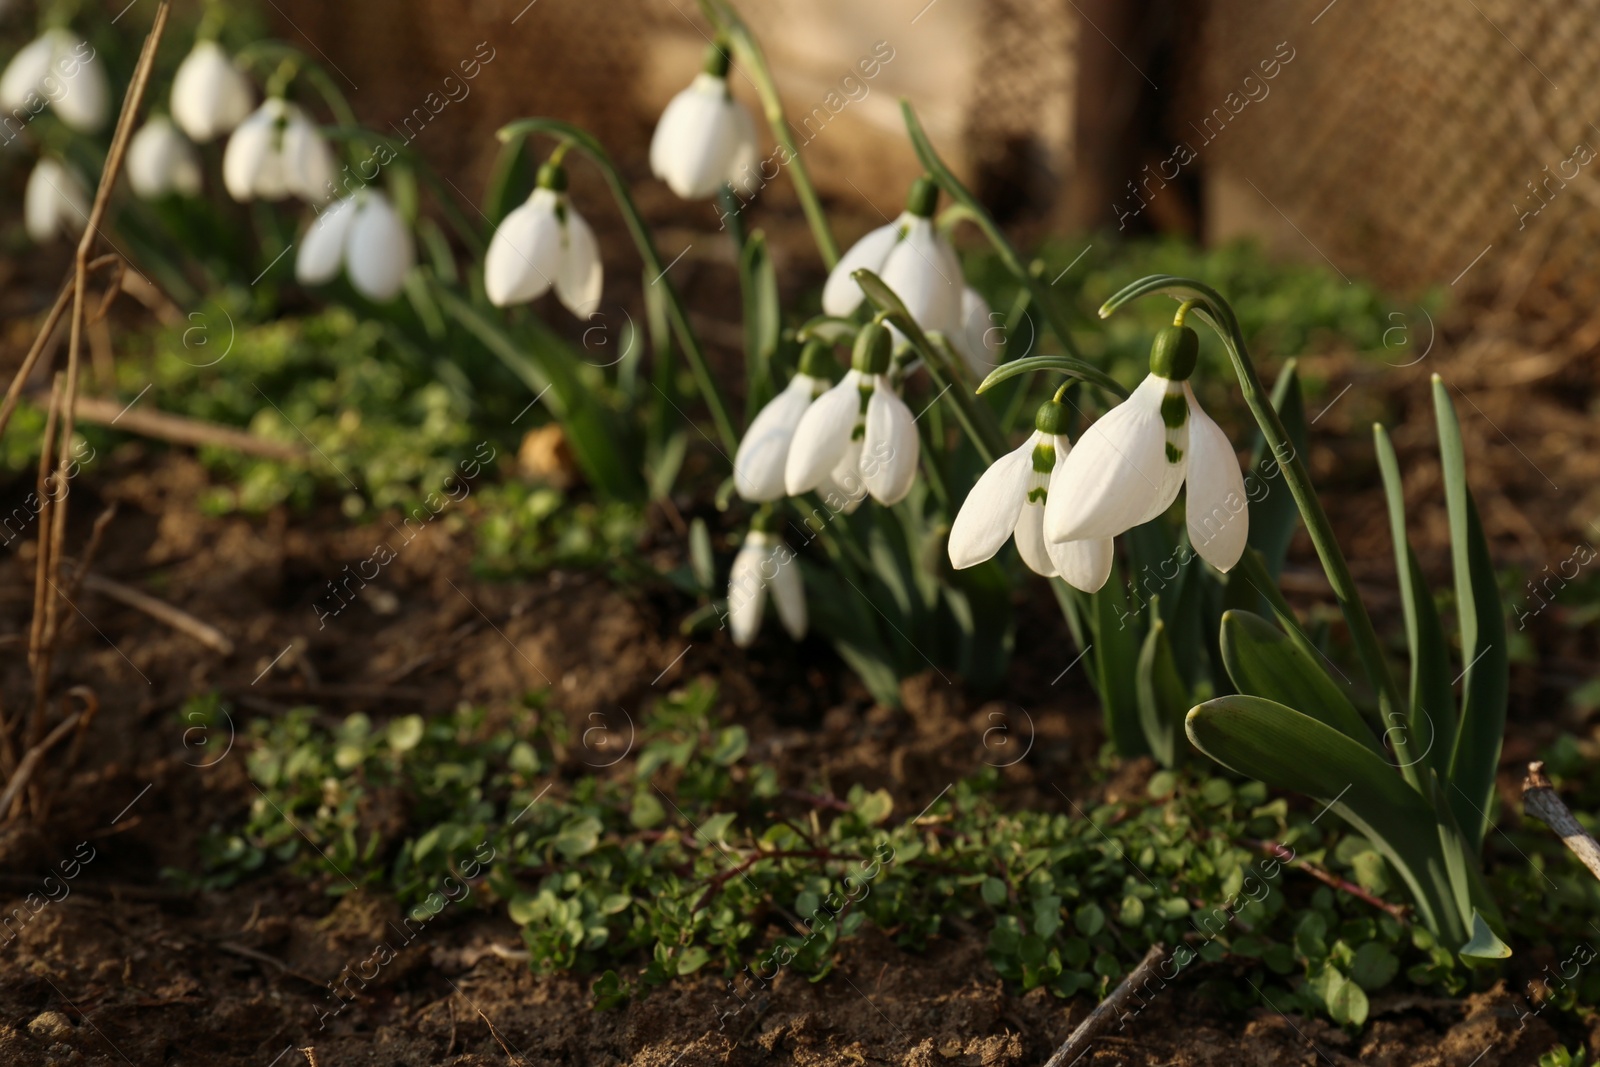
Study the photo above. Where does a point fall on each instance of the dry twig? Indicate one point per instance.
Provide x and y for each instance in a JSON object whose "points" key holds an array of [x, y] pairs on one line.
{"points": [[182, 430], [1539, 799], [161, 611], [1107, 1009]]}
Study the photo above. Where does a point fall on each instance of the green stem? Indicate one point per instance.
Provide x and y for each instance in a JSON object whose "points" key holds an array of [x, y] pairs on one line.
{"points": [[726, 20], [677, 314], [258, 51], [1008, 255], [1216, 312]]}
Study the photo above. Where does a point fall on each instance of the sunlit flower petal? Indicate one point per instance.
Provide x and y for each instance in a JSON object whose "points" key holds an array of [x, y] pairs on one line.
{"points": [[989, 515], [1216, 508], [758, 467]]}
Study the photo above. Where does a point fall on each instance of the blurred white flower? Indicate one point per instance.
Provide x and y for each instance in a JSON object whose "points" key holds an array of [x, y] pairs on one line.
{"points": [[1129, 466], [758, 466], [705, 137], [277, 152], [367, 237], [210, 96], [979, 339], [161, 161], [543, 244], [1010, 499], [764, 563], [60, 68], [55, 202], [913, 259], [857, 435]]}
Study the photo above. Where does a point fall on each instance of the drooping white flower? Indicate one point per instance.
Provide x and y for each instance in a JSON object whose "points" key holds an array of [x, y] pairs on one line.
{"points": [[913, 259], [705, 137], [759, 464], [979, 339], [277, 152], [1129, 466], [859, 434], [161, 161], [367, 237], [60, 68], [765, 564], [545, 244], [210, 96], [1010, 500], [55, 202]]}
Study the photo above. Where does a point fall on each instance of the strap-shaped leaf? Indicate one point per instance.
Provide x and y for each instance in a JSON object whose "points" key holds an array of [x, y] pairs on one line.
{"points": [[1273, 514], [1116, 654], [1264, 662], [758, 285], [1433, 715], [1484, 944], [1161, 694], [1284, 748], [1483, 637]]}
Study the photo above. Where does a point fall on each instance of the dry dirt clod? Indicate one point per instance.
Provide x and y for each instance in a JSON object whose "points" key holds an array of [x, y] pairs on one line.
{"points": [[51, 1024]]}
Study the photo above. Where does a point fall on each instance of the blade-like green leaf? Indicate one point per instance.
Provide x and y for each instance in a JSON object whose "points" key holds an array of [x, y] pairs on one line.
{"points": [[1161, 694], [1433, 715], [1264, 662], [1116, 653], [1482, 621], [758, 285], [1484, 944], [1074, 368], [1273, 514], [1289, 750]]}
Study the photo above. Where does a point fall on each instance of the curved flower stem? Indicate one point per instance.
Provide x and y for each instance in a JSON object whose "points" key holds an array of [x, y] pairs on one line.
{"points": [[1207, 304], [726, 21], [677, 314], [412, 159], [991, 229], [324, 85]]}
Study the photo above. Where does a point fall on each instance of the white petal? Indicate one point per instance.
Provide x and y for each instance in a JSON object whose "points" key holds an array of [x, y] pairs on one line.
{"points": [[979, 340], [322, 249], [251, 164], [694, 143], [26, 72], [1118, 475], [924, 273], [1217, 510], [788, 591], [890, 448], [747, 589], [842, 489], [55, 202], [990, 512], [1083, 565], [1030, 539], [210, 96], [758, 465], [579, 277], [86, 102], [823, 435], [841, 294], [310, 169], [161, 161], [525, 254], [379, 253]]}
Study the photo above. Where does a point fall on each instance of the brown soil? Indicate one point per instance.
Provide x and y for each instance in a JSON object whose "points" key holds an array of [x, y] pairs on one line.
{"points": [[129, 970]]}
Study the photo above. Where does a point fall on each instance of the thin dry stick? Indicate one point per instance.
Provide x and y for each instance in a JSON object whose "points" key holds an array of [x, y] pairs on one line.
{"points": [[1540, 800], [15, 392], [30, 762], [36, 637], [161, 611], [182, 430], [1107, 1009]]}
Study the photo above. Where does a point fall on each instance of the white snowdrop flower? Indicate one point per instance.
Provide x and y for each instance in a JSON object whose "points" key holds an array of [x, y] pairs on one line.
{"points": [[1129, 466], [367, 237], [545, 244], [763, 565], [913, 259], [60, 68], [979, 338], [705, 137], [161, 161], [759, 464], [1010, 500], [278, 152], [55, 202], [857, 434], [210, 96]]}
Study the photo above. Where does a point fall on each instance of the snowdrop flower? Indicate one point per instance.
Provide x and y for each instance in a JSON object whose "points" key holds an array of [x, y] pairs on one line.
{"points": [[758, 466], [858, 434], [764, 564], [1128, 467], [59, 67], [365, 235], [277, 152], [544, 244], [210, 96], [161, 161], [55, 202], [979, 339], [1010, 499], [705, 136], [912, 258]]}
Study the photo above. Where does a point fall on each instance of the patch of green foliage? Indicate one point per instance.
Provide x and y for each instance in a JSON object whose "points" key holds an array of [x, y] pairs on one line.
{"points": [[689, 857]]}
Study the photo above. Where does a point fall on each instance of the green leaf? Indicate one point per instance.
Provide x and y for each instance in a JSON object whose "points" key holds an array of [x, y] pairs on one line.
{"points": [[1090, 919], [1273, 514], [1485, 675], [1484, 944], [1162, 697], [692, 960], [405, 733], [758, 285], [1264, 662], [701, 563], [1290, 750], [994, 892], [1374, 966], [1116, 656]]}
